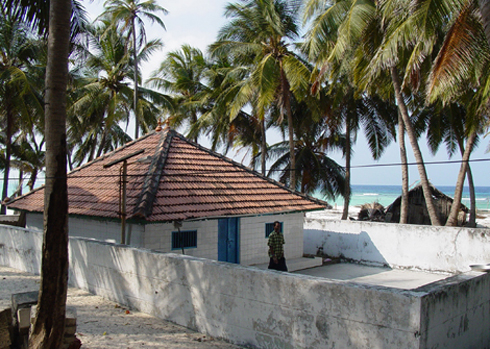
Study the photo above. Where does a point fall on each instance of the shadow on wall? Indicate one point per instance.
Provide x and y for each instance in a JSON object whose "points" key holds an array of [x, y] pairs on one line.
{"points": [[353, 247], [20, 249], [99, 272]]}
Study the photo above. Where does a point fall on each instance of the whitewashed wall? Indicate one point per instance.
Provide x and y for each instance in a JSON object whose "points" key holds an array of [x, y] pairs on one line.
{"points": [[252, 241], [103, 230], [269, 309], [429, 248], [254, 249], [159, 237], [34, 221]]}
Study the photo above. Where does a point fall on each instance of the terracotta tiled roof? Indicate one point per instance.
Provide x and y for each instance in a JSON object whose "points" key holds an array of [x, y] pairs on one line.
{"points": [[173, 179]]}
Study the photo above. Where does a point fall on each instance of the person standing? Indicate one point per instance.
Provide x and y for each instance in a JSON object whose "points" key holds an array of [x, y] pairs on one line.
{"points": [[276, 249]]}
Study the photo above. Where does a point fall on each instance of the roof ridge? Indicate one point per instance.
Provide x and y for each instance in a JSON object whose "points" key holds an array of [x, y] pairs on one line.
{"points": [[144, 205], [249, 170]]}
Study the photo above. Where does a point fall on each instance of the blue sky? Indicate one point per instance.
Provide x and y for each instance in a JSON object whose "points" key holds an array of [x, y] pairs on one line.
{"points": [[197, 22]]}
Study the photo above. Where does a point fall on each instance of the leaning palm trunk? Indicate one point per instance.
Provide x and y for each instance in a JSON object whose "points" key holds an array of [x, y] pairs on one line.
{"points": [[18, 191], [32, 179], [458, 193], [485, 17], [102, 141], [49, 325], [403, 158], [415, 147], [471, 185], [347, 193]]}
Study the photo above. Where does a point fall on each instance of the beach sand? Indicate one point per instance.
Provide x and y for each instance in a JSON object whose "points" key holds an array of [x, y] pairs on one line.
{"points": [[482, 217], [102, 324]]}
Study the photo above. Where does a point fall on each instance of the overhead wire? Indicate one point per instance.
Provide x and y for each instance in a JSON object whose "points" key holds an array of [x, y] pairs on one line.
{"points": [[212, 171]]}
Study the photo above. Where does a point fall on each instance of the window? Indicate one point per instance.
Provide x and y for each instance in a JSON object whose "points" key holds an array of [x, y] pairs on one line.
{"points": [[184, 239], [269, 227]]}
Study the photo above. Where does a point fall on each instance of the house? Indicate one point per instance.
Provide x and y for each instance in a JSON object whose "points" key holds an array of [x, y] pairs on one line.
{"points": [[417, 209], [166, 193]]}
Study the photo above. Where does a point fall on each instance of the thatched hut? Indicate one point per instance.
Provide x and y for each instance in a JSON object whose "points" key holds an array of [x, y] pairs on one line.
{"points": [[374, 212], [417, 209]]}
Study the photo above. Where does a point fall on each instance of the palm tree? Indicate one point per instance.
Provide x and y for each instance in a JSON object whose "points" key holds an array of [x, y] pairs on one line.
{"points": [[242, 131], [447, 124], [351, 108], [36, 14], [17, 90], [485, 17], [182, 74], [28, 160], [460, 74], [371, 34], [48, 327], [130, 13], [374, 116], [259, 36], [228, 95], [314, 138], [103, 97]]}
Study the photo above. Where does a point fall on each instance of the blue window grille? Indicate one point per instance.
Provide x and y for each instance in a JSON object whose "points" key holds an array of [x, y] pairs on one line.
{"points": [[269, 228], [184, 239]]}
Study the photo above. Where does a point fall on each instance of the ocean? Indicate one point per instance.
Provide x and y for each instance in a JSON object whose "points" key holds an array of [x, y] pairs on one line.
{"points": [[386, 194]]}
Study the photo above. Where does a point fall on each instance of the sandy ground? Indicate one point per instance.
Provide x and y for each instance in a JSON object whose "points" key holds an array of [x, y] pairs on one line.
{"points": [[105, 325], [482, 217]]}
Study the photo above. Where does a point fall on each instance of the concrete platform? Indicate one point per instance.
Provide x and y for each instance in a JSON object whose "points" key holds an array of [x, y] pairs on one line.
{"points": [[296, 264], [396, 278]]}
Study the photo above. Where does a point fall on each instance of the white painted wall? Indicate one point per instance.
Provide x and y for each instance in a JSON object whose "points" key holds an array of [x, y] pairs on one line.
{"points": [[159, 237], [269, 309], [103, 230], [34, 221], [429, 248], [252, 241]]}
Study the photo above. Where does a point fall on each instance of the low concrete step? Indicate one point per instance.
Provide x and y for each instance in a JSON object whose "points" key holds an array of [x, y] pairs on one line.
{"points": [[297, 263]]}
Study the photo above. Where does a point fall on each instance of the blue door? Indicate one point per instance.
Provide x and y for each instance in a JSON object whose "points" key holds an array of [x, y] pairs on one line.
{"points": [[228, 239]]}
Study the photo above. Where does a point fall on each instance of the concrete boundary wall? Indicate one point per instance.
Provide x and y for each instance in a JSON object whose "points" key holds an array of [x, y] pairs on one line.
{"points": [[429, 248], [266, 309]]}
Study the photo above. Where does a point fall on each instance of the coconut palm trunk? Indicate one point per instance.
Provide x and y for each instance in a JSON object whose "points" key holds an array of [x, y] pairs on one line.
{"points": [[403, 158], [347, 193], [135, 95], [471, 185], [458, 193], [292, 173], [286, 100], [263, 142], [48, 327], [8, 155], [415, 147], [103, 141]]}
